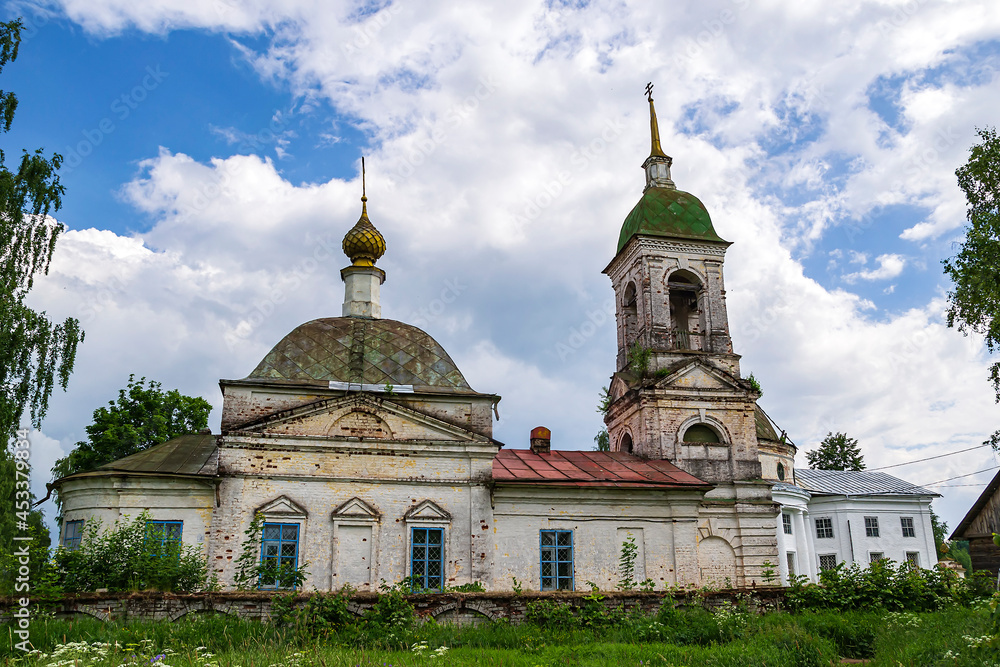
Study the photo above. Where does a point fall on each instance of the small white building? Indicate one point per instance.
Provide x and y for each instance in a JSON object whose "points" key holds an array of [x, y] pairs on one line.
{"points": [[836, 516]]}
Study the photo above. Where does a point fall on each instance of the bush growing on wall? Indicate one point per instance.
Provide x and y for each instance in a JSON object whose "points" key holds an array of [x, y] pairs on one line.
{"points": [[126, 557]]}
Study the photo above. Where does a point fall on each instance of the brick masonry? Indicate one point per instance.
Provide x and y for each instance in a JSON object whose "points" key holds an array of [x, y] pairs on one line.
{"points": [[460, 608]]}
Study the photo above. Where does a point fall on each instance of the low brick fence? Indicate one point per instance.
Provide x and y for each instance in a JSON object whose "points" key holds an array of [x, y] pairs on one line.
{"points": [[443, 607]]}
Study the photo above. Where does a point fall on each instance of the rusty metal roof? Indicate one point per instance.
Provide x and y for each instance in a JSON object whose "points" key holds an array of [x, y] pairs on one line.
{"points": [[589, 468], [194, 454], [363, 351]]}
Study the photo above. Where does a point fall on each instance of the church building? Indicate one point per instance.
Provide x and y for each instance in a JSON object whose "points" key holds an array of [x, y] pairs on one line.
{"points": [[369, 457]]}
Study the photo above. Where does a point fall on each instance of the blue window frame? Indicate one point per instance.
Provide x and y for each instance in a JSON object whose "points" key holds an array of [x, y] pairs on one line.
{"points": [[427, 558], [556, 560], [72, 534], [279, 551], [165, 535]]}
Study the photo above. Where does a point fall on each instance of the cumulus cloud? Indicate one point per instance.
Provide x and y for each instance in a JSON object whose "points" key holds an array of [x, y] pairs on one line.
{"points": [[889, 267], [505, 150]]}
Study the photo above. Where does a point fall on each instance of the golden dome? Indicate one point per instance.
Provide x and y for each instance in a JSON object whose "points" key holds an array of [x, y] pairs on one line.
{"points": [[364, 244]]}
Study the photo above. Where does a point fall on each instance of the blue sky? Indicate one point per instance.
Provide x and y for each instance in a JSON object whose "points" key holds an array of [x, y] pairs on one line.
{"points": [[213, 147]]}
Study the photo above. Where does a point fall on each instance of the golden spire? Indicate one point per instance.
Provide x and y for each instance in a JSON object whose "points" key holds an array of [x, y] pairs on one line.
{"points": [[655, 149], [364, 244]]}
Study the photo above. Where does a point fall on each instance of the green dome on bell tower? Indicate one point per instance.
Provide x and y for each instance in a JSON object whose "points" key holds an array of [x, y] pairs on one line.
{"points": [[668, 212], [664, 210]]}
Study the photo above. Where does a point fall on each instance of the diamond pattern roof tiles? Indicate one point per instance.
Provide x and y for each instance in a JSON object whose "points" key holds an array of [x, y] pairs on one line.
{"points": [[367, 351], [668, 212]]}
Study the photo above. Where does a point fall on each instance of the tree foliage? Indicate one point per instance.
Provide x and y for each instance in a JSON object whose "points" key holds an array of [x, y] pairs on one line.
{"points": [[35, 353], [836, 452], [143, 416], [974, 301], [602, 442]]}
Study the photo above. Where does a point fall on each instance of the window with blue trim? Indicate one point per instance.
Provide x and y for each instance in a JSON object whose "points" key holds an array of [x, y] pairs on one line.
{"points": [[427, 558], [163, 536], [279, 554], [556, 560], [72, 534]]}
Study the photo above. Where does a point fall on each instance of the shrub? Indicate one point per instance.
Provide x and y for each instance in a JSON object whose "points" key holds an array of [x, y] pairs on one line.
{"points": [[322, 614], [126, 557], [391, 620], [551, 614], [885, 584]]}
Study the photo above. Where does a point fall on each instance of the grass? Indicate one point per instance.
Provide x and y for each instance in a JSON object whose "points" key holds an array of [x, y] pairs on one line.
{"points": [[947, 637]]}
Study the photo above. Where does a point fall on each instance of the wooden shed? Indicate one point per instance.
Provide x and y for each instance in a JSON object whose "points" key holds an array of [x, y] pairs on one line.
{"points": [[978, 527]]}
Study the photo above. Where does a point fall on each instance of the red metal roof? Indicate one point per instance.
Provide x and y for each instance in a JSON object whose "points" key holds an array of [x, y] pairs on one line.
{"points": [[588, 468]]}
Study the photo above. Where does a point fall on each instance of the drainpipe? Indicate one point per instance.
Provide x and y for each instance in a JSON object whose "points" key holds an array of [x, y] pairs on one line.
{"points": [[850, 541]]}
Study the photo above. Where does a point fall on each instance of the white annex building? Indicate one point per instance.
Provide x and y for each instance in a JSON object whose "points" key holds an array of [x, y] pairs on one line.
{"points": [[370, 457]]}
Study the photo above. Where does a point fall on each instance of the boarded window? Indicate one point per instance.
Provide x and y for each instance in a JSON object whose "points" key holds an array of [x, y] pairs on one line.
{"points": [[354, 555], [790, 557]]}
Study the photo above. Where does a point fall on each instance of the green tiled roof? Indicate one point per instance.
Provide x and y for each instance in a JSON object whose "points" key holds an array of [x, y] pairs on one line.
{"points": [[668, 212], [364, 351]]}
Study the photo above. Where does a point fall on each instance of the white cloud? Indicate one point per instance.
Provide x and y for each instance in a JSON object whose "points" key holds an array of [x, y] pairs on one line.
{"points": [[889, 267], [505, 149]]}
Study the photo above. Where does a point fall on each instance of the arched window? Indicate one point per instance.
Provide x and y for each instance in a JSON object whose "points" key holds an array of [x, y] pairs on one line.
{"points": [[625, 445], [701, 433], [781, 472], [685, 312], [630, 312]]}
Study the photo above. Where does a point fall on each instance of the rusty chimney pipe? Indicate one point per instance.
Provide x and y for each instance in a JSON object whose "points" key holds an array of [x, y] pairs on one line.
{"points": [[541, 440]]}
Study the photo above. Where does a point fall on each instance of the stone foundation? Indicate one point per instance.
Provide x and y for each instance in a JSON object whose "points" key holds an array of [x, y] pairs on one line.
{"points": [[461, 608]]}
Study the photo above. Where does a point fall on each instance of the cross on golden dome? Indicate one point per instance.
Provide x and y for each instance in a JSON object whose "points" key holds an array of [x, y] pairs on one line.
{"points": [[363, 244]]}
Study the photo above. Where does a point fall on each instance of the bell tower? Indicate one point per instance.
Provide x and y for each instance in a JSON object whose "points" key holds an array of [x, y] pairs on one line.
{"points": [[677, 393], [667, 275]]}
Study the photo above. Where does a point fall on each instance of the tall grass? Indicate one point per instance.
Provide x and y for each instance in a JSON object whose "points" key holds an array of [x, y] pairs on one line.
{"points": [[679, 637]]}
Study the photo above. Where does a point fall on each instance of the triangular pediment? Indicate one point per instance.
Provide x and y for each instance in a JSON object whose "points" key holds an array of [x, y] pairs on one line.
{"points": [[427, 511], [282, 507], [699, 375], [355, 508], [361, 417], [618, 388]]}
